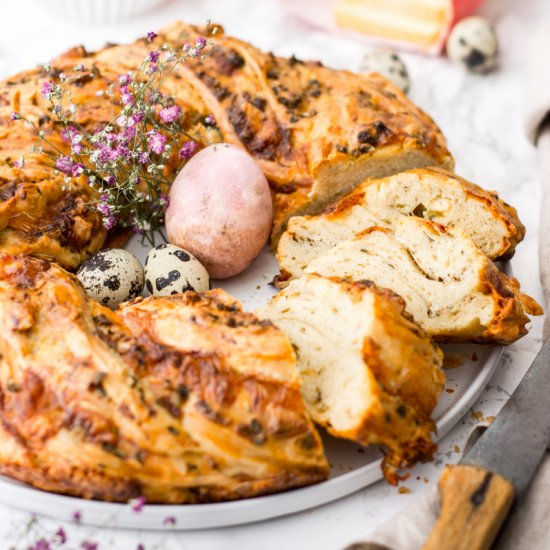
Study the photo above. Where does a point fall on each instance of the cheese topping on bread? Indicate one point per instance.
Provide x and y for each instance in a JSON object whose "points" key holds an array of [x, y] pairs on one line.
{"points": [[315, 132], [181, 399]]}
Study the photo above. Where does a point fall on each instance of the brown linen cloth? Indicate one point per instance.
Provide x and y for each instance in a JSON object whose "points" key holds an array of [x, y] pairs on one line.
{"points": [[528, 527]]}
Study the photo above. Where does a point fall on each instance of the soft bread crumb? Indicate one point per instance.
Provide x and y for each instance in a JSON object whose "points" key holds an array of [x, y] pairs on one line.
{"points": [[427, 193], [449, 286], [369, 374]]}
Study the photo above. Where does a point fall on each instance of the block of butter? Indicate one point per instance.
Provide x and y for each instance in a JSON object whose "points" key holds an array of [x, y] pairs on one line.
{"points": [[423, 24]]}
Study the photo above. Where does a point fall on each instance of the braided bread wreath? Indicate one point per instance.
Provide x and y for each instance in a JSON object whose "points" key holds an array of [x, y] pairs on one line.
{"points": [[189, 399], [314, 131]]}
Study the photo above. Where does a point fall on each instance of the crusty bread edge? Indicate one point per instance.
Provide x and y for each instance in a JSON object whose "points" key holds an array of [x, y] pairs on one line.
{"points": [[374, 165]]}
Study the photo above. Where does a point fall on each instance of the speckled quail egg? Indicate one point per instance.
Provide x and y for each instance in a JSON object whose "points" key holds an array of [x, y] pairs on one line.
{"points": [[111, 276], [170, 270], [388, 64], [474, 43]]}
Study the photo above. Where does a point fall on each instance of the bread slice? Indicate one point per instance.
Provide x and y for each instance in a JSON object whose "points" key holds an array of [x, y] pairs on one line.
{"points": [[369, 374], [449, 286], [443, 197], [429, 193]]}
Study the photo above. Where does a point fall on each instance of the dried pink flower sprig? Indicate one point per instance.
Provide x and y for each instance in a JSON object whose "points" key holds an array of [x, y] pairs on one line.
{"points": [[125, 161]]}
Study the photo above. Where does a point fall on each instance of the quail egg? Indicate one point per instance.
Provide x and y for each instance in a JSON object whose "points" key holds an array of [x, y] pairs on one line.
{"points": [[389, 65], [170, 270], [111, 276], [474, 43]]}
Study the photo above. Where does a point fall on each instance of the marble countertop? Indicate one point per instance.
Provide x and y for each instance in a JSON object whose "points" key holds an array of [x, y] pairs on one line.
{"points": [[482, 119]]}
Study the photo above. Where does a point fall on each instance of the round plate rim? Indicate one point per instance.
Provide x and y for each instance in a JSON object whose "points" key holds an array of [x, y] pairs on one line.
{"points": [[224, 514]]}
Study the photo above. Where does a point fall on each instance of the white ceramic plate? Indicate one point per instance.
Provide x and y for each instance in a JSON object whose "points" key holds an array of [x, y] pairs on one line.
{"points": [[353, 467]]}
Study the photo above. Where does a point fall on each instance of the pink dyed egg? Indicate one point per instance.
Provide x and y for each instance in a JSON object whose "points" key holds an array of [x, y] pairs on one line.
{"points": [[220, 209]]}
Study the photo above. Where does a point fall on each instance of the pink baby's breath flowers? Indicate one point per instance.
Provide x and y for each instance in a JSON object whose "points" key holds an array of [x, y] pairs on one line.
{"points": [[187, 150], [170, 114], [154, 97], [122, 152], [41, 544], [109, 222], [124, 79], [61, 536], [71, 135], [127, 99], [153, 57], [78, 169], [156, 141], [138, 504], [103, 207], [108, 137], [135, 118], [201, 43], [64, 164], [47, 89], [121, 121], [129, 132], [129, 162], [169, 521]]}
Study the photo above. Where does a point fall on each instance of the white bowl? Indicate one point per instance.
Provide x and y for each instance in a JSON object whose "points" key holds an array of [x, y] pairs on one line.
{"points": [[98, 11]]}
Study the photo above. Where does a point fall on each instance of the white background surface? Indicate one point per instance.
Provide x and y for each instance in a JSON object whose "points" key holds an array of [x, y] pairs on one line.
{"points": [[482, 118]]}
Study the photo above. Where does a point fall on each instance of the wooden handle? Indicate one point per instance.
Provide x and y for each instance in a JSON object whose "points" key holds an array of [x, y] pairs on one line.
{"points": [[474, 505]]}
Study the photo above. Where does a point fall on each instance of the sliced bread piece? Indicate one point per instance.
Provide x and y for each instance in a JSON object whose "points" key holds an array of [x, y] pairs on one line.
{"points": [[369, 374], [445, 198], [428, 193], [449, 286]]}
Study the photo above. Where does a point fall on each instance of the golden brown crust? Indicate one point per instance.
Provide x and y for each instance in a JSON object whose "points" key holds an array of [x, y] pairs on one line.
{"points": [[298, 119], [500, 209], [407, 388], [180, 399], [511, 305]]}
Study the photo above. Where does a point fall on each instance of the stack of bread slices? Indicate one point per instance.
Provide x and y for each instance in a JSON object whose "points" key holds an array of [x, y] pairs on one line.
{"points": [[418, 248]]}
